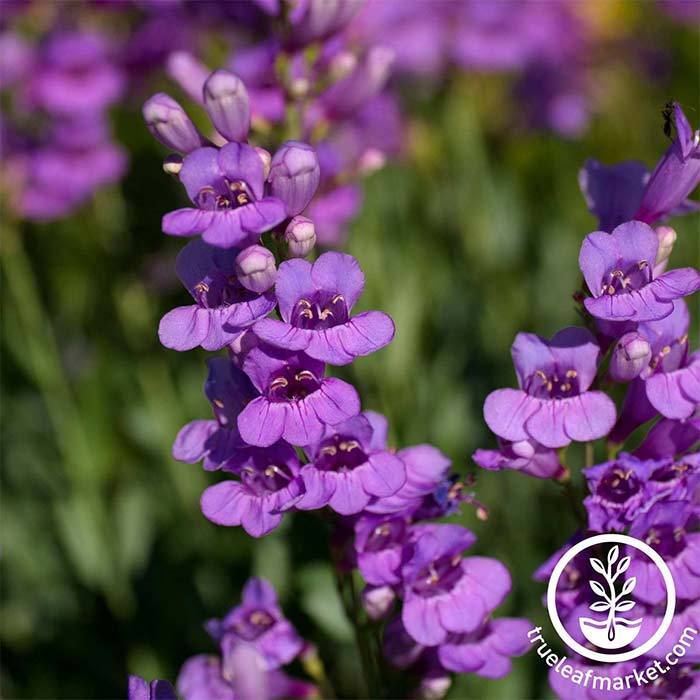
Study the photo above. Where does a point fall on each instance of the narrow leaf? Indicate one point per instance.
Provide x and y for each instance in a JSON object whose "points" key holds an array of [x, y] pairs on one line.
{"points": [[625, 605], [599, 606], [598, 566], [623, 565], [599, 590], [629, 585], [613, 554]]}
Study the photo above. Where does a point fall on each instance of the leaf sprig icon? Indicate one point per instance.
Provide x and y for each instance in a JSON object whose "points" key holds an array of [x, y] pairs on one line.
{"points": [[611, 600]]}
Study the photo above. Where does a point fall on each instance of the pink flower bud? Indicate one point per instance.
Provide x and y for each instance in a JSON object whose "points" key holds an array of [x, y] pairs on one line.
{"points": [[300, 236], [255, 268], [631, 355]]}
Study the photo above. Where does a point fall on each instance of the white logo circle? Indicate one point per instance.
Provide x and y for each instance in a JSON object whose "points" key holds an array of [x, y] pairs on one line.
{"points": [[630, 628]]}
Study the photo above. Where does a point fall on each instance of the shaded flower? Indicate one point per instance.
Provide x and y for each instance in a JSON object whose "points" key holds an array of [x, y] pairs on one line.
{"points": [[139, 689], [618, 269], [525, 456], [214, 442], [268, 484], [348, 470], [315, 301], [223, 308], [380, 543], [444, 593], [227, 187], [553, 405], [296, 401], [260, 622]]}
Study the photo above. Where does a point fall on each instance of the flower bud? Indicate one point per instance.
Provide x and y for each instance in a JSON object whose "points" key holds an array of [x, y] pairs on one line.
{"points": [[294, 175], [631, 355], [255, 268], [173, 164], [300, 236], [377, 601], [227, 103], [667, 239], [266, 158], [169, 123], [434, 686], [188, 72]]}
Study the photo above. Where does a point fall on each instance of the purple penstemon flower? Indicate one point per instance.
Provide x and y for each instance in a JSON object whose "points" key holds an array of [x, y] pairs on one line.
{"points": [[227, 186], [215, 441], [619, 270], [296, 400], [554, 404], [668, 527], [223, 308], [260, 622], [139, 689], [315, 301], [348, 470], [268, 484], [380, 543], [444, 593], [676, 175], [670, 437]]}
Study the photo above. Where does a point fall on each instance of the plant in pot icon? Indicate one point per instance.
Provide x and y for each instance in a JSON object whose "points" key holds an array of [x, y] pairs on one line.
{"points": [[615, 631]]}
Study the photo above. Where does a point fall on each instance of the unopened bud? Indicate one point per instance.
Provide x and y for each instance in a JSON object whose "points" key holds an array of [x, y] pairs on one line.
{"points": [[169, 123], [434, 687], [631, 355], [173, 164], [378, 601], [294, 175], [300, 236], [667, 239], [255, 268], [266, 158], [188, 72], [227, 103]]}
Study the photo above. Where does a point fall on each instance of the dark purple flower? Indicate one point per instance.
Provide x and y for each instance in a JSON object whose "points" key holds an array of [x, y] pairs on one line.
{"points": [[670, 437], [315, 302], [525, 456], [268, 484], [227, 186], [619, 271], [553, 405], [612, 192], [618, 492], [666, 528], [216, 441], [260, 622], [228, 106], [294, 175], [296, 401], [168, 122], [348, 470], [139, 689], [223, 308], [487, 651], [676, 175], [444, 593]]}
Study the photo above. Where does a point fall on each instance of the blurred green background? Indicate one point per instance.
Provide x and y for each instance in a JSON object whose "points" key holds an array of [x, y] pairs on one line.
{"points": [[108, 566]]}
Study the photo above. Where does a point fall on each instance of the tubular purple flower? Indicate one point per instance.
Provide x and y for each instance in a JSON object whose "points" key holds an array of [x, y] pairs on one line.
{"points": [[139, 689], [631, 355], [315, 301], [297, 401], [300, 236], [227, 103], [553, 405], [294, 175], [526, 456], [255, 268], [189, 73], [169, 123], [317, 19], [223, 307], [676, 175], [619, 270]]}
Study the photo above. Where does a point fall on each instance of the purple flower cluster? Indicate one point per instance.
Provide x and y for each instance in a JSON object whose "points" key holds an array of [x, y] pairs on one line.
{"points": [[635, 311], [288, 435], [57, 146]]}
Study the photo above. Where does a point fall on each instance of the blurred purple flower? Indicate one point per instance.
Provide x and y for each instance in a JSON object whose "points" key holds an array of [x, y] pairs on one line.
{"points": [[525, 456], [139, 689]]}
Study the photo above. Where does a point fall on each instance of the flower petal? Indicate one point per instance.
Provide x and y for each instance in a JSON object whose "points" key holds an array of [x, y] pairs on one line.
{"points": [[187, 222], [262, 422], [507, 410]]}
